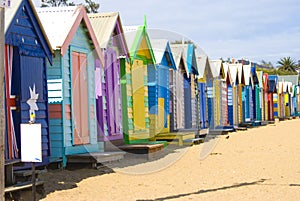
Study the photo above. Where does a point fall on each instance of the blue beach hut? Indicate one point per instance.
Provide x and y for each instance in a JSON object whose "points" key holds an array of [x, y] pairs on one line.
{"points": [[27, 49]]}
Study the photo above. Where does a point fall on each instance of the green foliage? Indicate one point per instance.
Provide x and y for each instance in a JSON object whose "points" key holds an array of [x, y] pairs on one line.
{"points": [[90, 6], [286, 64]]}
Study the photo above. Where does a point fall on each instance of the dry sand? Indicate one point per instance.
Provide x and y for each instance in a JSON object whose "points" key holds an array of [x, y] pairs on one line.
{"points": [[258, 164]]}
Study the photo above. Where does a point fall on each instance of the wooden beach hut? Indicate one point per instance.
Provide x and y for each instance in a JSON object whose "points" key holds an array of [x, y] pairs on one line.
{"points": [[232, 85], [27, 49], [241, 82], [265, 92], [273, 96], [136, 105], [256, 94], [109, 33], [272, 89], [71, 81], [159, 87], [205, 80], [247, 100], [214, 94], [177, 120]]}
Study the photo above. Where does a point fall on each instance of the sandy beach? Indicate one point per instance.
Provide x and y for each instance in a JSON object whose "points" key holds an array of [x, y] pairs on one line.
{"points": [[261, 163]]}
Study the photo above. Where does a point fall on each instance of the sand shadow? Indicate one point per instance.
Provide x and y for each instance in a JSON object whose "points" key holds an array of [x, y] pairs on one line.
{"points": [[206, 191]]}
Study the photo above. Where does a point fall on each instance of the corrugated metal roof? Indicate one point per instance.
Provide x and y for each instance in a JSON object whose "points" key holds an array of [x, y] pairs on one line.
{"points": [[233, 72], [103, 25], [225, 67], [58, 22], [202, 62], [247, 74], [215, 66], [61, 24], [159, 47], [178, 54]]}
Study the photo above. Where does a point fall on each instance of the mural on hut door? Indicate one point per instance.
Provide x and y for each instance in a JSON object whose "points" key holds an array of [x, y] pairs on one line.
{"points": [[19, 82], [80, 98]]}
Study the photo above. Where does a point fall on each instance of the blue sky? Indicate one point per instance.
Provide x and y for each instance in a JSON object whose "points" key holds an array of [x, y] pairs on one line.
{"points": [[256, 30]]}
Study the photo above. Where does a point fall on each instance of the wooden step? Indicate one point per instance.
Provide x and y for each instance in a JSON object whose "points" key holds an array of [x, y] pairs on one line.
{"points": [[149, 150], [22, 186], [95, 157]]}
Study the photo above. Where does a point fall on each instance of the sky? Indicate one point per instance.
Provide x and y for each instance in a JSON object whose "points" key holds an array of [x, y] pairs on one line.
{"points": [[253, 29]]}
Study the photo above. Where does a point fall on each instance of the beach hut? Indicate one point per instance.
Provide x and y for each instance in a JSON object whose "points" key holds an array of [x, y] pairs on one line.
{"points": [[265, 92], [272, 89], [142, 60], [214, 94], [109, 33], [177, 120], [240, 86], [232, 85], [190, 87], [159, 87], [256, 93], [273, 95], [71, 81], [27, 49], [205, 80], [298, 100], [247, 100]]}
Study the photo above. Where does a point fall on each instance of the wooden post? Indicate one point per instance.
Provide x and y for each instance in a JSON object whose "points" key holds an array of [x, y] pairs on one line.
{"points": [[33, 182], [2, 113]]}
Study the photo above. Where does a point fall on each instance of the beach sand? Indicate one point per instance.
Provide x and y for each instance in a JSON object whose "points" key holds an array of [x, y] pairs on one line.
{"points": [[261, 163]]}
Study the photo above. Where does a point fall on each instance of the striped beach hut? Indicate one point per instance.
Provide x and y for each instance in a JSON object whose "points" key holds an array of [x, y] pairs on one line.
{"points": [[190, 88], [256, 93], [232, 85], [205, 80], [136, 127], [27, 49], [159, 87], [109, 33], [214, 96], [177, 120], [240, 86], [71, 81], [265, 92], [272, 91], [247, 100]]}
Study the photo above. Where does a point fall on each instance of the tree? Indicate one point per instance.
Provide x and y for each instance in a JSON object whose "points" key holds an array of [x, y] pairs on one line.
{"points": [[56, 3], [287, 64], [90, 6], [266, 64]]}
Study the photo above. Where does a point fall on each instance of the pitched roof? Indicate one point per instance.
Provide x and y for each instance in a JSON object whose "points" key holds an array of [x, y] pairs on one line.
{"points": [[233, 73], [61, 24], [135, 35], [216, 67], [202, 63], [178, 55], [104, 25], [160, 46], [247, 74], [11, 12]]}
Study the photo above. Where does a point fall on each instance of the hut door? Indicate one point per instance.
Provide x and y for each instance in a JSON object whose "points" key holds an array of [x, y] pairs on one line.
{"points": [[187, 102], [112, 75], [202, 98], [80, 98]]}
